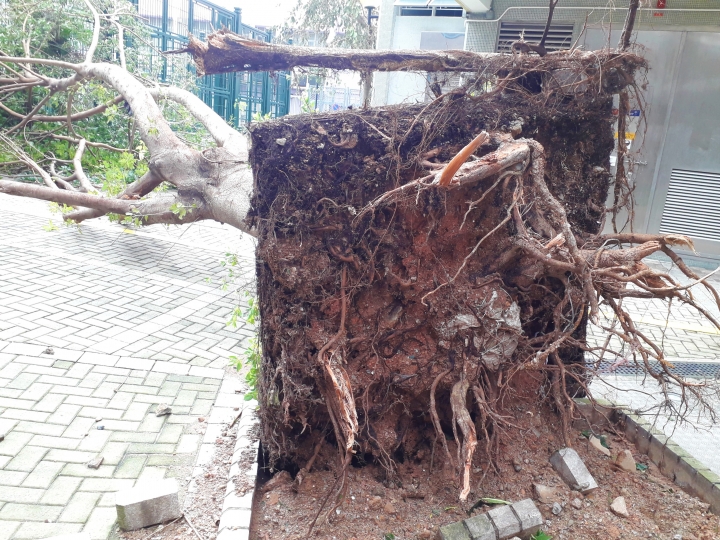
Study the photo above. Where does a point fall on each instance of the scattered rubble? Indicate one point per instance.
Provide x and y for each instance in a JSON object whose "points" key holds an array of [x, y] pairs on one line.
{"points": [[545, 494], [626, 461], [619, 507], [597, 445]]}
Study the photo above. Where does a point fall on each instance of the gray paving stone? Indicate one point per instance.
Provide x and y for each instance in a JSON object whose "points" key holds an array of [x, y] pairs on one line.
{"points": [[61, 490], [79, 508], [27, 458], [148, 504], [43, 475], [572, 470], [29, 512], [36, 531], [505, 521], [481, 528], [453, 531]]}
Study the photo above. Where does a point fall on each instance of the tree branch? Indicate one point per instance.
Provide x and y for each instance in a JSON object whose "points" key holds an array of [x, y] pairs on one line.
{"points": [[96, 33], [226, 52], [221, 132], [70, 198]]}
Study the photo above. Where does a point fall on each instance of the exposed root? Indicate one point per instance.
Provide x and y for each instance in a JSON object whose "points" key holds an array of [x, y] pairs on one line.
{"points": [[462, 417]]}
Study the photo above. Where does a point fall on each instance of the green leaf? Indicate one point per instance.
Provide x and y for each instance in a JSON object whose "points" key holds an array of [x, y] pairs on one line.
{"points": [[389, 536], [540, 535]]}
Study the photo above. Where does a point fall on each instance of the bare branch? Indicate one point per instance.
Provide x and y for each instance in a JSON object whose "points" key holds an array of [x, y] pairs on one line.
{"points": [[223, 134], [79, 172], [96, 33]]}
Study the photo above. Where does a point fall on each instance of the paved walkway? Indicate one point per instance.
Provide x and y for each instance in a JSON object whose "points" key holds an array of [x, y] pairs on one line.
{"points": [[692, 344], [98, 326]]}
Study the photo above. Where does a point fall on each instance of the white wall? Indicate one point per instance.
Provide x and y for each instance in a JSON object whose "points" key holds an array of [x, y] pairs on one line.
{"points": [[404, 33]]}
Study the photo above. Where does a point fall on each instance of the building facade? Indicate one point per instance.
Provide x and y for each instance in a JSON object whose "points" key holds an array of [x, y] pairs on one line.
{"points": [[677, 170]]}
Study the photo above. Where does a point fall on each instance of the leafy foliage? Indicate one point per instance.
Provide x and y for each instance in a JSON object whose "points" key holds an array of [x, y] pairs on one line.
{"points": [[335, 23], [540, 535], [62, 30]]}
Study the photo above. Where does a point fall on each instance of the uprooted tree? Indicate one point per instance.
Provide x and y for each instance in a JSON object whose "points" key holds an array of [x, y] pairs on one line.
{"points": [[417, 264]]}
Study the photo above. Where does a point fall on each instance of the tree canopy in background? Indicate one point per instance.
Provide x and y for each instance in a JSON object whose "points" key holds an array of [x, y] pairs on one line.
{"points": [[332, 23]]}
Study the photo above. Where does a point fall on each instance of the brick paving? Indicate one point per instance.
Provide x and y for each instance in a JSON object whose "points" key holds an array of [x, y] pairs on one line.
{"points": [[99, 325]]}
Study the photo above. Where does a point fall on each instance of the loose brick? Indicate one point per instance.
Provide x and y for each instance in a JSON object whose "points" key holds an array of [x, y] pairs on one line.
{"points": [[147, 505]]}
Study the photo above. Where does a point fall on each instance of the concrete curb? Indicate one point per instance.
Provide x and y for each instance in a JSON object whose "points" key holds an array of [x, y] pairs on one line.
{"points": [[237, 511], [675, 463]]}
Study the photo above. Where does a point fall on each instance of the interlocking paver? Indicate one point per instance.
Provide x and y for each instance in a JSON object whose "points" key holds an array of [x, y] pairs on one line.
{"points": [[132, 326]]}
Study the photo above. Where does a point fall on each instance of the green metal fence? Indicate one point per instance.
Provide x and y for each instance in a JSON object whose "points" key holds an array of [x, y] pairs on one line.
{"points": [[234, 96]]}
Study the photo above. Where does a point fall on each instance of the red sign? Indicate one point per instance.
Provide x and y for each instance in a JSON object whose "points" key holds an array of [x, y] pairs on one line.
{"points": [[661, 4]]}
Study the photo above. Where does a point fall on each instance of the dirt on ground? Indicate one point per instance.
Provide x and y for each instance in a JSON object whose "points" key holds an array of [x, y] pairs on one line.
{"points": [[426, 498]]}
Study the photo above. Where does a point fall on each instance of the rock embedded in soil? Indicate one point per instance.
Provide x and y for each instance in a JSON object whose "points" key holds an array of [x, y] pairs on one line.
{"points": [[619, 507], [375, 503], [576, 503], [557, 509], [390, 509], [626, 461], [597, 445], [572, 470], [545, 494]]}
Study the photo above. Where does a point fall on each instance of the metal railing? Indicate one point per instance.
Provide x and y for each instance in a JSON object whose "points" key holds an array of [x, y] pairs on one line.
{"points": [[237, 97]]}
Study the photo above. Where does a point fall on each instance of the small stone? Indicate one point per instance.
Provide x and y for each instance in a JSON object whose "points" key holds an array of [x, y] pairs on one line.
{"points": [[576, 503], [95, 463], [163, 409], [2, 437], [619, 507], [597, 445], [626, 461], [425, 534], [389, 508], [101, 427], [545, 494], [375, 502], [557, 509], [98, 419], [201, 419], [517, 464], [280, 479], [273, 499], [678, 537], [281, 141], [49, 350]]}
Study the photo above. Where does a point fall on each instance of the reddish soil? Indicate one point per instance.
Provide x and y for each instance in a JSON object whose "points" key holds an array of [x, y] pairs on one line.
{"points": [[375, 509]]}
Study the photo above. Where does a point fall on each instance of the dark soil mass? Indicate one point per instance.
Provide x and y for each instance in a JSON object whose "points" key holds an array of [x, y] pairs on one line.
{"points": [[314, 175]]}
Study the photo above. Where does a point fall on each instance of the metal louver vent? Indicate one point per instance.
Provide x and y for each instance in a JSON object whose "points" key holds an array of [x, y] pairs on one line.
{"points": [[692, 206], [559, 37]]}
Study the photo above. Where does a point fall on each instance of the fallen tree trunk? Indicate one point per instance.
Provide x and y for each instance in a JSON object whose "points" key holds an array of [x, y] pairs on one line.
{"points": [[226, 52]]}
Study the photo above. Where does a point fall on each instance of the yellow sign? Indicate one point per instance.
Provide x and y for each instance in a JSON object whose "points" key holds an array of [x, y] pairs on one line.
{"points": [[628, 136]]}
